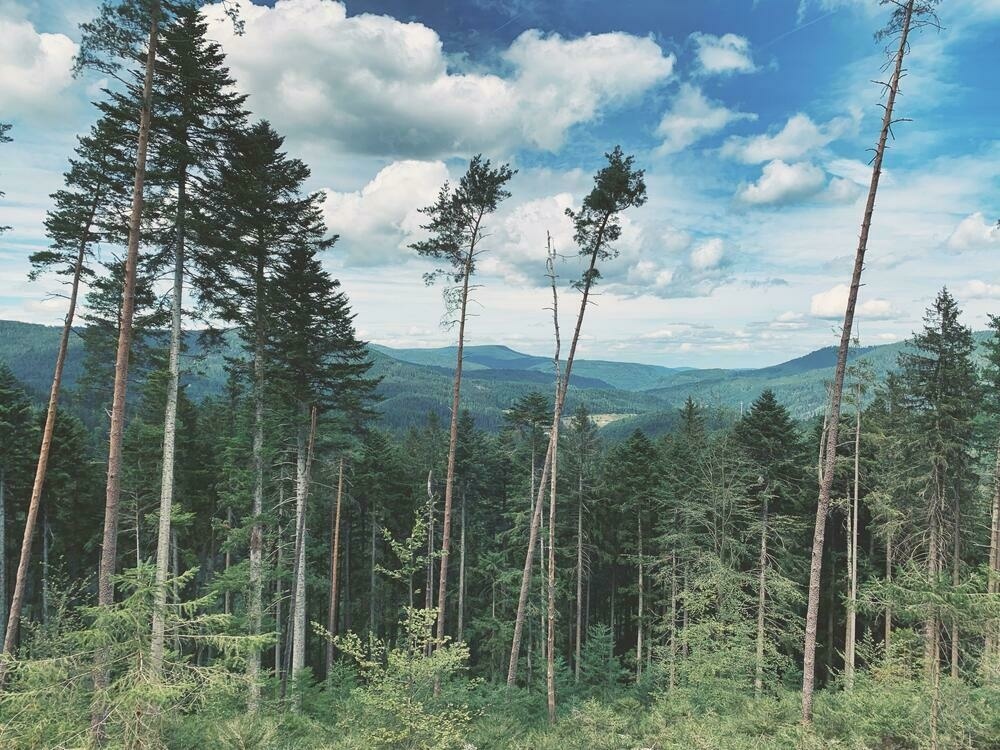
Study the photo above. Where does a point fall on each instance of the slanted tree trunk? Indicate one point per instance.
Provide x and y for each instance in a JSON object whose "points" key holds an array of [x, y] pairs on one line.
{"points": [[758, 682], [169, 439], [11, 618], [536, 519], [449, 481], [331, 612], [109, 541], [837, 389]]}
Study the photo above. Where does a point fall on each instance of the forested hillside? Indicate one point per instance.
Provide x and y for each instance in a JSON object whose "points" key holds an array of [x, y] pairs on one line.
{"points": [[272, 534]]}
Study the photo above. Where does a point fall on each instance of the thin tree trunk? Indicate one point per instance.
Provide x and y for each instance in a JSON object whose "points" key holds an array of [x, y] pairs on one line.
{"points": [[536, 519], [278, 594], [579, 574], [956, 577], [3, 552], [429, 587], [169, 441], [227, 561], [931, 649], [331, 612], [461, 574], [888, 606], [850, 636], [673, 619], [11, 618], [46, 541], [449, 480], [303, 465], [758, 683], [371, 571], [638, 637], [826, 483], [992, 650], [109, 541]]}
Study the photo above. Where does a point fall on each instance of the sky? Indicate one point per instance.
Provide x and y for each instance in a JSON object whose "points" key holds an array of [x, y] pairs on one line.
{"points": [[751, 118]]}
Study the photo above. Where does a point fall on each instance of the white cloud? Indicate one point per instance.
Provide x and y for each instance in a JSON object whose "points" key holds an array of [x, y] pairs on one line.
{"points": [[377, 221], [691, 117], [780, 182], [707, 254], [728, 53], [832, 303], [977, 289], [375, 85], [974, 233], [34, 67], [841, 190], [798, 137]]}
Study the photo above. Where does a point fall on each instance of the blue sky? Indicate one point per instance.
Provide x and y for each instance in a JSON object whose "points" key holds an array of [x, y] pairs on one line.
{"points": [[752, 119]]}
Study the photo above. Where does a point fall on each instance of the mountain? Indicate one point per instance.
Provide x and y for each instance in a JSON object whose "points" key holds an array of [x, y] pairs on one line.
{"points": [[623, 395]]}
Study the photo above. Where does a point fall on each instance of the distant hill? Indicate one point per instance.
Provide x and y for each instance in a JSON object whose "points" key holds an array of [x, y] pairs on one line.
{"points": [[417, 381]]}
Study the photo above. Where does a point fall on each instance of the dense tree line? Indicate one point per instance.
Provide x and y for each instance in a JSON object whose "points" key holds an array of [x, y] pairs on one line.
{"points": [[270, 556]]}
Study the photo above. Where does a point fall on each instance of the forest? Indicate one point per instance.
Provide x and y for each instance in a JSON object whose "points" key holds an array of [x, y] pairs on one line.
{"points": [[298, 559]]}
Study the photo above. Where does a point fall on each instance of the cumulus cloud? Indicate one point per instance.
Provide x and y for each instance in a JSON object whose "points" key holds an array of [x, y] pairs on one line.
{"points": [[707, 254], [798, 137], [377, 221], [376, 85], [977, 289], [782, 183], [729, 53], [830, 305], [974, 233], [691, 117], [34, 67]]}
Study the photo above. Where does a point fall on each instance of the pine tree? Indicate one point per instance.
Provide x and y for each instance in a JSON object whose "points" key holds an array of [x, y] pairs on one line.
{"points": [[597, 226], [456, 228]]}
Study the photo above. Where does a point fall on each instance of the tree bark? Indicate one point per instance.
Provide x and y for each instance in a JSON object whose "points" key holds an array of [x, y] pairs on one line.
{"points": [[303, 465], [449, 481], [850, 637], [836, 393], [109, 541], [169, 441], [579, 574], [522, 602], [888, 605], [255, 596], [758, 683], [992, 650], [460, 636], [331, 612], [372, 581], [12, 616], [638, 636]]}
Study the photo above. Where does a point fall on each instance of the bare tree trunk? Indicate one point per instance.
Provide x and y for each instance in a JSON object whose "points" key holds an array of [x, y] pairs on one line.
{"points": [[331, 612], [836, 393], [550, 657], [3, 553], [931, 648], [109, 541], [522, 602], [11, 618], [850, 636], [46, 543], [992, 650], [758, 683], [371, 571], [169, 441], [638, 637], [579, 574], [449, 481], [255, 586], [278, 594], [461, 575], [888, 606], [956, 577], [227, 604], [303, 465], [673, 619]]}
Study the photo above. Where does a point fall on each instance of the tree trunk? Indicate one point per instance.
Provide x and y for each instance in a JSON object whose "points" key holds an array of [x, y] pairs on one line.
{"points": [[758, 683], [888, 606], [850, 636], [302, 466], [836, 393], [461, 575], [371, 571], [169, 441], [956, 577], [449, 480], [550, 646], [638, 637], [3, 552], [11, 618], [992, 650], [579, 574], [46, 541], [227, 559], [522, 602], [931, 649], [109, 541], [256, 573], [331, 612], [673, 620]]}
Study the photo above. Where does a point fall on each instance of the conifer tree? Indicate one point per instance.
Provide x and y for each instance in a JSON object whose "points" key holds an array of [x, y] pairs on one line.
{"points": [[456, 228], [597, 226]]}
